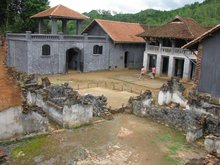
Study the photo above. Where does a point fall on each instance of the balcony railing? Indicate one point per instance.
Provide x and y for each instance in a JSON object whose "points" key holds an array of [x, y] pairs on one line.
{"points": [[167, 50], [53, 37]]}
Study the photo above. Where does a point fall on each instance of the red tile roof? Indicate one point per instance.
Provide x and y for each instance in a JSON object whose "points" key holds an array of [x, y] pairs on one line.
{"points": [[178, 28], [60, 11], [119, 32], [201, 37]]}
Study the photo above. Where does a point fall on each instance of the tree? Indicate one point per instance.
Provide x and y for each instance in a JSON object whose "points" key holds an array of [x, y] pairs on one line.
{"points": [[17, 13]]}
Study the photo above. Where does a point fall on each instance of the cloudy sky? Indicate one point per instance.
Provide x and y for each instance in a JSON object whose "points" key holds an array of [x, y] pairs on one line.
{"points": [[124, 6]]}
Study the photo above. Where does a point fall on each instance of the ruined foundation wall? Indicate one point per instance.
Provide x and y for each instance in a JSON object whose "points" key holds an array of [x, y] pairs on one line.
{"points": [[77, 114], [188, 120], [67, 116], [14, 122]]}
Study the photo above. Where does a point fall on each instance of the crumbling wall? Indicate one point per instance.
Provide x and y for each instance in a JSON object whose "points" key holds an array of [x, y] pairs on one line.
{"points": [[172, 91], [212, 144], [77, 114], [195, 123], [15, 122], [62, 104]]}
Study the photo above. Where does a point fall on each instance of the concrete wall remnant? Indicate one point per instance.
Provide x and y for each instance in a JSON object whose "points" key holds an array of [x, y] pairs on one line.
{"points": [[172, 91], [14, 123], [195, 123], [212, 144], [66, 106]]}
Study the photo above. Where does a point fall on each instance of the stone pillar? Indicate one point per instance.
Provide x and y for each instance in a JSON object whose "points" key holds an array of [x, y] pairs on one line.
{"points": [[78, 27], [147, 44], [173, 45], [145, 60], [159, 56], [40, 26], [64, 26], [171, 66], [160, 45], [186, 69], [28, 35], [158, 64], [53, 26]]}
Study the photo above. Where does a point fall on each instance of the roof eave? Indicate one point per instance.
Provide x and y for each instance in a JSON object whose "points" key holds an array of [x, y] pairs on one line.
{"points": [[129, 42]]}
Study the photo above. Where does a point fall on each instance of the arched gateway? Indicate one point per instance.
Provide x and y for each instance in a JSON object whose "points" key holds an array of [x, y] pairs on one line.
{"points": [[74, 59]]}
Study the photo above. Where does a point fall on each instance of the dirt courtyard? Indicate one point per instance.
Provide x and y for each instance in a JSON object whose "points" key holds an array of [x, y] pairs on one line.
{"points": [[116, 85], [126, 140], [125, 77], [115, 98]]}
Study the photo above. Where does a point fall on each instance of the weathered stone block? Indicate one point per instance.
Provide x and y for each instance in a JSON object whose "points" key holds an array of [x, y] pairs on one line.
{"points": [[194, 134]]}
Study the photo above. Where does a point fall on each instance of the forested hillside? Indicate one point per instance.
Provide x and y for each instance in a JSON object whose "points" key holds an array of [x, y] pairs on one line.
{"points": [[15, 15], [206, 13]]}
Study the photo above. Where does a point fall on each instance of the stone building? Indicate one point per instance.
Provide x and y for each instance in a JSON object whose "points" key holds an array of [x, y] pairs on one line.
{"points": [[102, 45], [163, 48], [124, 47], [207, 69]]}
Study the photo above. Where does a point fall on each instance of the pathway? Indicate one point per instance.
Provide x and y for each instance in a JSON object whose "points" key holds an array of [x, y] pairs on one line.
{"points": [[10, 94]]}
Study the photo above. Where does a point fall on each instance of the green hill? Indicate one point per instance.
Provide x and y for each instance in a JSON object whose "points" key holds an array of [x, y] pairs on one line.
{"points": [[206, 13]]}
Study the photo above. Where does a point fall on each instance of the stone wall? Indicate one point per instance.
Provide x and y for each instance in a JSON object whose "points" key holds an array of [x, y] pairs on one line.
{"points": [[117, 55], [62, 105], [18, 55], [172, 91], [195, 122], [25, 53], [14, 123]]}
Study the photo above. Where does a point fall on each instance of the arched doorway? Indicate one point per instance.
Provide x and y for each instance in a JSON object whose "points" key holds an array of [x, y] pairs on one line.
{"points": [[74, 60], [126, 59]]}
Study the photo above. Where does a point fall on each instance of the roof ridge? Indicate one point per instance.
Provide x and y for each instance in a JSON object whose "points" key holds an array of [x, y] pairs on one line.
{"points": [[118, 21], [183, 19], [201, 37], [188, 27], [55, 9]]}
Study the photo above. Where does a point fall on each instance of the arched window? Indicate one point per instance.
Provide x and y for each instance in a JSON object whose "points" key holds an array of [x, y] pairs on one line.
{"points": [[45, 50], [97, 49], [100, 49]]}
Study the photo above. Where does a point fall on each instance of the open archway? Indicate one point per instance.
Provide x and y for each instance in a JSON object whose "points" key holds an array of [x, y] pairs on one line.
{"points": [[74, 60], [126, 54]]}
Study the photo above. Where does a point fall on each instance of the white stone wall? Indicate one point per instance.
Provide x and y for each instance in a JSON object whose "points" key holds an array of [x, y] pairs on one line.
{"points": [[13, 123], [165, 98], [68, 117], [77, 115]]}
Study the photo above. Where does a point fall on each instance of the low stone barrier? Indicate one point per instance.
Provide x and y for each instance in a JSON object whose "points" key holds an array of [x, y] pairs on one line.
{"points": [[63, 105], [15, 123], [212, 144], [194, 123]]}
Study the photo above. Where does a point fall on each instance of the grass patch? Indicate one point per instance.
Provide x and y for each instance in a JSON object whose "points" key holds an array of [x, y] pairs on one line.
{"points": [[165, 137], [174, 144], [26, 151], [173, 149], [172, 160]]}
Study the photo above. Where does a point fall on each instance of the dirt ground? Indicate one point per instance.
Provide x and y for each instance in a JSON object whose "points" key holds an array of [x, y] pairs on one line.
{"points": [[115, 98], [125, 140], [10, 94], [117, 80]]}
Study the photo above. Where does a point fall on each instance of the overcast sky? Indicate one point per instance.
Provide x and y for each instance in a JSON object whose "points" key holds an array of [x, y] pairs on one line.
{"points": [[124, 6]]}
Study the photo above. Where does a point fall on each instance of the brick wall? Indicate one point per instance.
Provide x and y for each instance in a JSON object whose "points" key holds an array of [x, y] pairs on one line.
{"points": [[198, 64]]}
